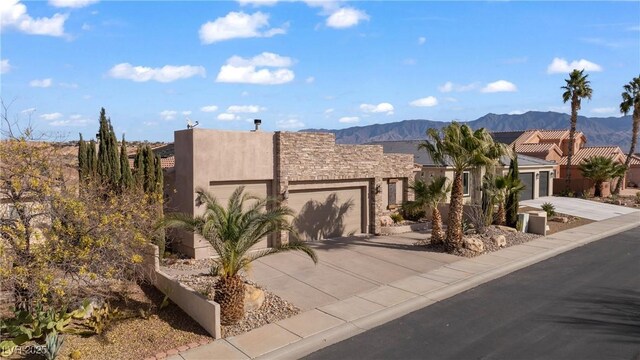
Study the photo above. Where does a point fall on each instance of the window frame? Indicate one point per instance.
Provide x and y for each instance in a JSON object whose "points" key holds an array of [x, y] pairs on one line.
{"points": [[466, 174]]}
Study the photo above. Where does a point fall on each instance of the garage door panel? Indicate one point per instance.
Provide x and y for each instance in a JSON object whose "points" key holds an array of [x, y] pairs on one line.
{"points": [[527, 180], [544, 184], [327, 213], [223, 191]]}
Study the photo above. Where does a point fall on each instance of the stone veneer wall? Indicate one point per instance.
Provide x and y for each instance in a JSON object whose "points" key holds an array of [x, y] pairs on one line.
{"points": [[316, 156]]}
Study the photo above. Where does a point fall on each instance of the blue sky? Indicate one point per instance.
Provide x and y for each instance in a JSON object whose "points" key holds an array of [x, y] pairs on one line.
{"points": [[301, 64]]}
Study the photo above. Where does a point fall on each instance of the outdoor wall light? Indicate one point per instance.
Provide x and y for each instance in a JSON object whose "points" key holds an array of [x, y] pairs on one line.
{"points": [[537, 176], [378, 189]]}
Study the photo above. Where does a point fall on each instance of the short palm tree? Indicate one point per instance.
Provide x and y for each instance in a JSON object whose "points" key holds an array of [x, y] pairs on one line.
{"points": [[630, 100], [576, 89], [458, 146], [429, 196], [232, 231], [600, 169]]}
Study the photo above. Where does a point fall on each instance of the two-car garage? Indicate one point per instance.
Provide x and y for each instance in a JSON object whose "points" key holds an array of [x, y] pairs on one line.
{"points": [[536, 184]]}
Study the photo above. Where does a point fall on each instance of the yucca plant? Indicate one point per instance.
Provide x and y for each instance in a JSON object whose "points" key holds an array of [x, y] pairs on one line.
{"points": [[232, 231]]}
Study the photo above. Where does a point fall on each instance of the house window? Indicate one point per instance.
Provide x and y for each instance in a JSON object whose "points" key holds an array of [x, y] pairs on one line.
{"points": [[392, 193], [465, 183]]}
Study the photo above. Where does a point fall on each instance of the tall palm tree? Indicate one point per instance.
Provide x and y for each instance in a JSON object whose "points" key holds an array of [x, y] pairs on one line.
{"points": [[458, 146], [429, 196], [600, 169], [576, 89], [232, 231], [630, 99]]}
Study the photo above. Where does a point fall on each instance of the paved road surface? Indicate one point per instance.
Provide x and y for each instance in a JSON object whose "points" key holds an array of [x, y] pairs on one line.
{"points": [[584, 304]]}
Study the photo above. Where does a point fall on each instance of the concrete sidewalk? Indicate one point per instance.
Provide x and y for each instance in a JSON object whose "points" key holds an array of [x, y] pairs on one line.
{"points": [[378, 302], [587, 209]]}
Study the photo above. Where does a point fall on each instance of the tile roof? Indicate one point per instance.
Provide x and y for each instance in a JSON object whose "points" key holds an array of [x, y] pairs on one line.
{"points": [[165, 163], [591, 151], [536, 148], [506, 137]]}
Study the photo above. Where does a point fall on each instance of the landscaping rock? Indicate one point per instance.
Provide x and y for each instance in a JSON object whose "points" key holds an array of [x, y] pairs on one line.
{"points": [[499, 240], [506, 228], [561, 219], [386, 220], [253, 297], [474, 244]]}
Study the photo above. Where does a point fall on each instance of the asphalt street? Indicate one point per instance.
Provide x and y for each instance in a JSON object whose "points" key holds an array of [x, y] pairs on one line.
{"points": [[583, 304]]}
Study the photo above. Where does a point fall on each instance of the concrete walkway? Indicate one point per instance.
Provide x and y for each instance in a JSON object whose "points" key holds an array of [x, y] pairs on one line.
{"points": [[588, 209], [379, 299]]}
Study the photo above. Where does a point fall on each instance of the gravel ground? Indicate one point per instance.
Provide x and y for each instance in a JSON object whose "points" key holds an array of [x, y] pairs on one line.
{"points": [[273, 309]]}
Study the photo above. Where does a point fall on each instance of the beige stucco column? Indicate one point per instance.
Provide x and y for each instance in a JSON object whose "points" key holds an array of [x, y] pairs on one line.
{"points": [[375, 194]]}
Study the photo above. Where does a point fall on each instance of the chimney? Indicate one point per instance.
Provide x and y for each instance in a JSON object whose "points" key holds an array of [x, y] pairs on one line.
{"points": [[257, 123]]}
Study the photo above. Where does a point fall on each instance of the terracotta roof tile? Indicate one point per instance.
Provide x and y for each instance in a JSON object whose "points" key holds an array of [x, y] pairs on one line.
{"points": [[535, 148], [591, 151]]}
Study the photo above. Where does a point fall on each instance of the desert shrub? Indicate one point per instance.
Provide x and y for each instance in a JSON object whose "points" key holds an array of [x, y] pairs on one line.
{"points": [[411, 212], [397, 218], [567, 193], [476, 218], [549, 208], [638, 197]]}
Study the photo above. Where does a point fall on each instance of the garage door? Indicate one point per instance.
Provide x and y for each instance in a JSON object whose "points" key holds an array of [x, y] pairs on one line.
{"points": [[223, 191], [544, 184], [327, 213], [527, 180]]}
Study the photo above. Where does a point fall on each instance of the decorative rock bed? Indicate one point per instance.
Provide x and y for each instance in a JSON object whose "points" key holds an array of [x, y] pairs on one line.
{"points": [[404, 228]]}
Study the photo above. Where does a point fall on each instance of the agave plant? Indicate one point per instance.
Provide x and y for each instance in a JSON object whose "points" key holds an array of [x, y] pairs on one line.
{"points": [[232, 231]]}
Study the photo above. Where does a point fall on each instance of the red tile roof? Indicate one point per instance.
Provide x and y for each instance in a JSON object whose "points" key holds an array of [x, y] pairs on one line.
{"points": [[536, 148], [590, 151]]}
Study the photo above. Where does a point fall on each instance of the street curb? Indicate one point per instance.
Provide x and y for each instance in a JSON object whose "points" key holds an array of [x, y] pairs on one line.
{"points": [[347, 330]]}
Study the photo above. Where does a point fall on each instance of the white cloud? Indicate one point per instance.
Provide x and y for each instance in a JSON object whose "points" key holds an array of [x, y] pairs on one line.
{"points": [[41, 83], [228, 117], [168, 115], [422, 40], [51, 116], [289, 124], [247, 71], [310, 80], [86, 27], [246, 109], [29, 110], [346, 17], [5, 67], [560, 65], [238, 25], [75, 117], [71, 122], [428, 101], [349, 119], [450, 86], [329, 111], [257, 3], [72, 3], [517, 112], [13, 14], [499, 86], [384, 107], [167, 73], [561, 109], [209, 108], [186, 112], [605, 110]]}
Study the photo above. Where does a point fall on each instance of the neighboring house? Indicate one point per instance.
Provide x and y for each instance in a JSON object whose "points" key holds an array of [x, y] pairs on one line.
{"points": [[535, 173], [579, 183], [633, 175], [335, 190]]}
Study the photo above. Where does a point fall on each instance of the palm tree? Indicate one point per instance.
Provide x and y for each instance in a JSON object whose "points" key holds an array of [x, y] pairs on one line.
{"points": [[429, 196], [577, 88], [600, 169], [232, 231], [460, 147], [505, 186], [630, 99]]}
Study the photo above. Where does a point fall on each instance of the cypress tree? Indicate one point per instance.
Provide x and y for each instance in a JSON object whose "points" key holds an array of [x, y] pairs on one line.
{"points": [[126, 179], [104, 168], [83, 166], [149, 170], [114, 161], [159, 176], [92, 160], [138, 168], [512, 201]]}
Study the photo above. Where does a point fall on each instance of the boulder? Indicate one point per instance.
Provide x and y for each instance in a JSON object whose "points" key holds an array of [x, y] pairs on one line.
{"points": [[561, 219], [253, 297], [386, 220], [474, 244], [499, 240], [506, 228]]}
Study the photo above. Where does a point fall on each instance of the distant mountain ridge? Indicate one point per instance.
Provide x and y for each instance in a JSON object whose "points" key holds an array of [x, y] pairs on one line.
{"points": [[599, 131]]}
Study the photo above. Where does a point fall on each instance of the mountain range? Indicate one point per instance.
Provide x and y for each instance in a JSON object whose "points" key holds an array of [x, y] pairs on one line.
{"points": [[599, 131]]}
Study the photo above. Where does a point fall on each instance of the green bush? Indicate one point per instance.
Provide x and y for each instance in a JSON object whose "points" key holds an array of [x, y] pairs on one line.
{"points": [[638, 197], [567, 193], [397, 218], [411, 213], [549, 208]]}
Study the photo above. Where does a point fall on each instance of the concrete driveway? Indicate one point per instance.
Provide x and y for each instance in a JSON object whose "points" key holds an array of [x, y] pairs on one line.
{"points": [[588, 209]]}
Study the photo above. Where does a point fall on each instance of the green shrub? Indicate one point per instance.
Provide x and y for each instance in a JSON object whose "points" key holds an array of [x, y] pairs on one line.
{"points": [[549, 208], [411, 213], [567, 193], [397, 218], [638, 197]]}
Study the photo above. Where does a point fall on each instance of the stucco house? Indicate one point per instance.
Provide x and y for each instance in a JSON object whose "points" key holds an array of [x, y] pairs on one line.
{"points": [[549, 145], [335, 190], [537, 174]]}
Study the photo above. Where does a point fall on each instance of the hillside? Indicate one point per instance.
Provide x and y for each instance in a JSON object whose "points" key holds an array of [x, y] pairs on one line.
{"points": [[599, 131]]}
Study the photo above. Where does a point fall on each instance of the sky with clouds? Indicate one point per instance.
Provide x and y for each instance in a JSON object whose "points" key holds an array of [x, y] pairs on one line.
{"points": [[303, 64]]}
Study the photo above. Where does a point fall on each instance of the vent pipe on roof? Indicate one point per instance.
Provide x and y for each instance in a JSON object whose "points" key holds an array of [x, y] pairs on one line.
{"points": [[257, 123]]}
